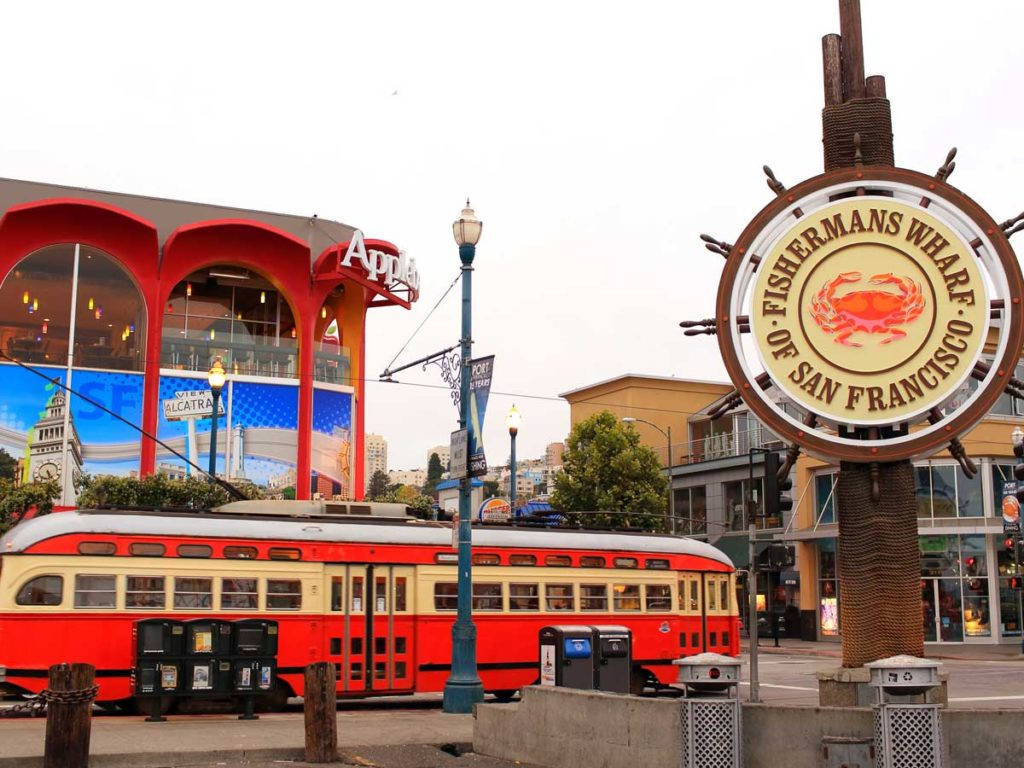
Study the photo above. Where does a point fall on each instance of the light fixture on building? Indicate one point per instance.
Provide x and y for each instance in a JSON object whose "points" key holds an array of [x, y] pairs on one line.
{"points": [[46, 327], [188, 289], [323, 312], [293, 333], [24, 298], [92, 304], [35, 304], [263, 297], [131, 328], [213, 334]]}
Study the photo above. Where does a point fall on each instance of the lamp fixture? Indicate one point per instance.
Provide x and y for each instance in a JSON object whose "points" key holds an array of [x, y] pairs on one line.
{"points": [[217, 375], [24, 298], [92, 304], [323, 312], [263, 297], [467, 227], [188, 289]]}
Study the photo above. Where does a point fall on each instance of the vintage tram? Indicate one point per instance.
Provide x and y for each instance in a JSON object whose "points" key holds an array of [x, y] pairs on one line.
{"points": [[363, 586]]}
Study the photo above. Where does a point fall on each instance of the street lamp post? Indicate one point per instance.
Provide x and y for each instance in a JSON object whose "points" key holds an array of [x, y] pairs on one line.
{"points": [[216, 378], [671, 495], [513, 420], [463, 687]]}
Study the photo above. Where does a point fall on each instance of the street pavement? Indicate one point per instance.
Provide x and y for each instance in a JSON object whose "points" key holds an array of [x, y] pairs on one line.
{"points": [[980, 677]]}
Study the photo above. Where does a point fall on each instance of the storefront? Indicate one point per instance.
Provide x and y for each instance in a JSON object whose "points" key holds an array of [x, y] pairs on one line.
{"points": [[129, 299], [965, 568]]}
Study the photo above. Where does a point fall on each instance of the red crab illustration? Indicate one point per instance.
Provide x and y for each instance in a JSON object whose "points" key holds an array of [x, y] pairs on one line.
{"points": [[869, 311]]}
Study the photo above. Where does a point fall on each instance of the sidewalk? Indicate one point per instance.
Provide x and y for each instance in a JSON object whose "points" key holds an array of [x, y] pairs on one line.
{"points": [[211, 739], [826, 649]]}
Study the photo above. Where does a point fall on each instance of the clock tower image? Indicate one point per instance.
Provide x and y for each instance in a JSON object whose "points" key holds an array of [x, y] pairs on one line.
{"points": [[46, 441]]}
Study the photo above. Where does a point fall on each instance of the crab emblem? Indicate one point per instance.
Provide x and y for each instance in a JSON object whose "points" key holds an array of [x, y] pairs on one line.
{"points": [[877, 311]]}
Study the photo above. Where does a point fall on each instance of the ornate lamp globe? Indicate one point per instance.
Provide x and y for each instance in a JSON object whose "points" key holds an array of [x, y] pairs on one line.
{"points": [[513, 420], [467, 227], [216, 376]]}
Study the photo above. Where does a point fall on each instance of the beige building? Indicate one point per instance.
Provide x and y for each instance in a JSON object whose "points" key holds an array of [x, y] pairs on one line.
{"points": [[553, 454], [376, 448], [414, 477], [965, 568], [443, 452]]}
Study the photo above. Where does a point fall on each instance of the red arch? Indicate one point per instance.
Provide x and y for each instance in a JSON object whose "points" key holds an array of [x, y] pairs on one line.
{"points": [[281, 258]]}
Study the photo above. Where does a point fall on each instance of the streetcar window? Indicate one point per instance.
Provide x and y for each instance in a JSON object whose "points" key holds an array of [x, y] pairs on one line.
{"points": [[400, 593], [486, 558], [523, 597], [356, 672], [284, 553], [241, 553], [659, 597], [712, 596], [625, 562], [194, 550], [357, 594], [42, 590], [145, 592], [627, 597], [446, 596], [238, 593], [400, 646], [656, 563], [381, 594], [486, 597], [93, 591], [356, 645], [97, 548], [335, 646], [724, 600], [284, 594], [522, 559], [725, 638], [337, 593], [380, 645], [192, 592], [146, 549], [694, 595], [593, 597], [682, 639], [558, 560], [592, 561], [400, 669], [379, 670], [559, 597]]}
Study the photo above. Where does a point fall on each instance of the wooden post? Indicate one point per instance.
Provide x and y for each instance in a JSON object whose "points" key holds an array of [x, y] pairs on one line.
{"points": [[853, 49], [321, 710], [875, 87], [832, 66], [68, 725]]}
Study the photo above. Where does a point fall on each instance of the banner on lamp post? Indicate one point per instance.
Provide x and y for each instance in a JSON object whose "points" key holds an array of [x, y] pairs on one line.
{"points": [[480, 371]]}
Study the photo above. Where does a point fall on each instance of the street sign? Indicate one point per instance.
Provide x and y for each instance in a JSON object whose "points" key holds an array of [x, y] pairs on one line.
{"points": [[194, 404], [459, 453], [480, 371]]}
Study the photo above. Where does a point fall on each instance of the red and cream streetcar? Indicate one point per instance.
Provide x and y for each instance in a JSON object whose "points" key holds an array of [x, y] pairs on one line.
{"points": [[361, 585]]}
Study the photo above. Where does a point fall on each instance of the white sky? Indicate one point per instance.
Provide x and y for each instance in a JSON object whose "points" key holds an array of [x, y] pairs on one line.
{"points": [[597, 140]]}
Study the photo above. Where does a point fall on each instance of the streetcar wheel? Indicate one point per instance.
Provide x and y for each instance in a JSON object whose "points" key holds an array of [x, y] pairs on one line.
{"points": [[143, 705], [506, 694]]}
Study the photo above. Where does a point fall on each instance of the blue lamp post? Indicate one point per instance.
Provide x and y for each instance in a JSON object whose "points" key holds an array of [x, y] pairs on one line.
{"points": [[463, 687], [513, 420], [216, 378]]}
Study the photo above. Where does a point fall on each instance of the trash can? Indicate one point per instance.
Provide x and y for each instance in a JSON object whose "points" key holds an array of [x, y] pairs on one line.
{"points": [[712, 716], [908, 730], [613, 657], [567, 656]]}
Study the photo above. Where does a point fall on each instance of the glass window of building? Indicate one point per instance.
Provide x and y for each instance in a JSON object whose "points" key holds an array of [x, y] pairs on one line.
{"points": [[735, 494], [825, 498], [1007, 405], [691, 510], [828, 588], [943, 491], [331, 359], [954, 588], [35, 310], [234, 314]]}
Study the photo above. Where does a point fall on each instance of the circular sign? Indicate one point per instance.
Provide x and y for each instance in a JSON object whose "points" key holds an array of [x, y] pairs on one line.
{"points": [[871, 313], [868, 311], [1011, 510], [494, 510]]}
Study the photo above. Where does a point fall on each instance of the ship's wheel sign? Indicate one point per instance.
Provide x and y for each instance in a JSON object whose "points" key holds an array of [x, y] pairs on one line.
{"points": [[881, 304]]}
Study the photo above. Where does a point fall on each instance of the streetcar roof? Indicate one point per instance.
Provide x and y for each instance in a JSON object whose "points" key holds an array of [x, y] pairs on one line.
{"points": [[412, 531]]}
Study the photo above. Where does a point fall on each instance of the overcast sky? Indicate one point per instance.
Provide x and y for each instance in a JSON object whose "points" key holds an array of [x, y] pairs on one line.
{"points": [[597, 140]]}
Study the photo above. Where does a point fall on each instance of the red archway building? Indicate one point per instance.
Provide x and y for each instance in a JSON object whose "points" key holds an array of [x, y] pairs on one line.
{"points": [[132, 297]]}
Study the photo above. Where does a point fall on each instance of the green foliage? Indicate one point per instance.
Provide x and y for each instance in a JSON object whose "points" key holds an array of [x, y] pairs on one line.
{"points": [[8, 466], [154, 491], [491, 488], [606, 468], [15, 500], [419, 503], [288, 493], [434, 472], [378, 486]]}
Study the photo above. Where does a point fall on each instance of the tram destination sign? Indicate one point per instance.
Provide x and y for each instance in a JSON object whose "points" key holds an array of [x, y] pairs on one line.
{"points": [[195, 404]]}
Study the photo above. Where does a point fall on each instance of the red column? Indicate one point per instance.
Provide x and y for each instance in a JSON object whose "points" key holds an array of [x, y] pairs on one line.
{"points": [[151, 381], [360, 387], [303, 462]]}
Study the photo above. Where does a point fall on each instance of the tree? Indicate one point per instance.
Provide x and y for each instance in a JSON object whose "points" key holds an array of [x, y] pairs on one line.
{"points": [[491, 488], [434, 472], [378, 486], [155, 491], [606, 468], [8, 466], [16, 500]]}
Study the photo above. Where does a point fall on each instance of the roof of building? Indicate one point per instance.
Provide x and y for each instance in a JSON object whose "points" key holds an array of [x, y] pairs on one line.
{"points": [[675, 379], [445, 485]]}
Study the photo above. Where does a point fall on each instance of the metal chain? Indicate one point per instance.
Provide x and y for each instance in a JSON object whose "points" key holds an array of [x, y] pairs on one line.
{"points": [[36, 706]]}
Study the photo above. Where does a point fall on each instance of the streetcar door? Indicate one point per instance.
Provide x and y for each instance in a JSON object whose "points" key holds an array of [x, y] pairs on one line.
{"points": [[346, 626], [391, 627]]}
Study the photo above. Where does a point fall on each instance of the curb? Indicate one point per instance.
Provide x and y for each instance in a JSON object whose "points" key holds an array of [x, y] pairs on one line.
{"points": [[821, 653]]}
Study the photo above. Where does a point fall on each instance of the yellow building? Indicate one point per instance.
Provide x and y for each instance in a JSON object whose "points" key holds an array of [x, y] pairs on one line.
{"points": [[965, 568]]}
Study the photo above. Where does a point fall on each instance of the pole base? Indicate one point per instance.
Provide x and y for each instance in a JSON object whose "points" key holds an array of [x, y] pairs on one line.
{"points": [[461, 695]]}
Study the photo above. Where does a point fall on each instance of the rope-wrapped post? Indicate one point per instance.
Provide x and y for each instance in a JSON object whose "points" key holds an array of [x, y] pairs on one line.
{"points": [[321, 711], [69, 698]]}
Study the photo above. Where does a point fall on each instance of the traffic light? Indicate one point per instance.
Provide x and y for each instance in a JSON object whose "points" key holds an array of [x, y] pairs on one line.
{"points": [[776, 492], [1010, 543], [1015, 582]]}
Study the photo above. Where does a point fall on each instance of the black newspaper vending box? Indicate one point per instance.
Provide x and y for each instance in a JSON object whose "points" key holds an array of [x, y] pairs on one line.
{"points": [[612, 658], [255, 637], [567, 656], [208, 637], [158, 645]]}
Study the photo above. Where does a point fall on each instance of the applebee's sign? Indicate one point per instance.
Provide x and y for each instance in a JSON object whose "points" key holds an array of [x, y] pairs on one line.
{"points": [[383, 267]]}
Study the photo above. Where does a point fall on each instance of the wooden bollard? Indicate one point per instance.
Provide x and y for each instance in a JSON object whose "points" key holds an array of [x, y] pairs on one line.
{"points": [[321, 710], [68, 725]]}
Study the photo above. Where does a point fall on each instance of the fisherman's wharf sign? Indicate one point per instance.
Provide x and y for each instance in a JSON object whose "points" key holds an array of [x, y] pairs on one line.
{"points": [[869, 310], [871, 313]]}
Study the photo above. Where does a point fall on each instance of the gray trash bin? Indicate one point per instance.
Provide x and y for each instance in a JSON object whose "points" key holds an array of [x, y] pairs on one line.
{"points": [[567, 656], [613, 658]]}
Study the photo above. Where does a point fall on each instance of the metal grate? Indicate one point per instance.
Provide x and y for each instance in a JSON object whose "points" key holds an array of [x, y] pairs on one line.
{"points": [[908, 736], [711, 733]]}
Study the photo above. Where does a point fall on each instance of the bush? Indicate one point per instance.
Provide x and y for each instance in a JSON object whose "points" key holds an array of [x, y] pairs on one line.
{"points": [[16, 500], [153, 491]]}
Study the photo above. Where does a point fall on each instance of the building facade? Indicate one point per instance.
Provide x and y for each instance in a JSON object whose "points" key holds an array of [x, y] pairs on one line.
{"points": [[553, 454], [376, 456], [413, 477], [718, 491], [128, 299], [444, 453]]}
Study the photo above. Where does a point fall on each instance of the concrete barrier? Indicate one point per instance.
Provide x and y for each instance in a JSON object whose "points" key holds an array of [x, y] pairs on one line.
{"points": [[566, 728]]}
